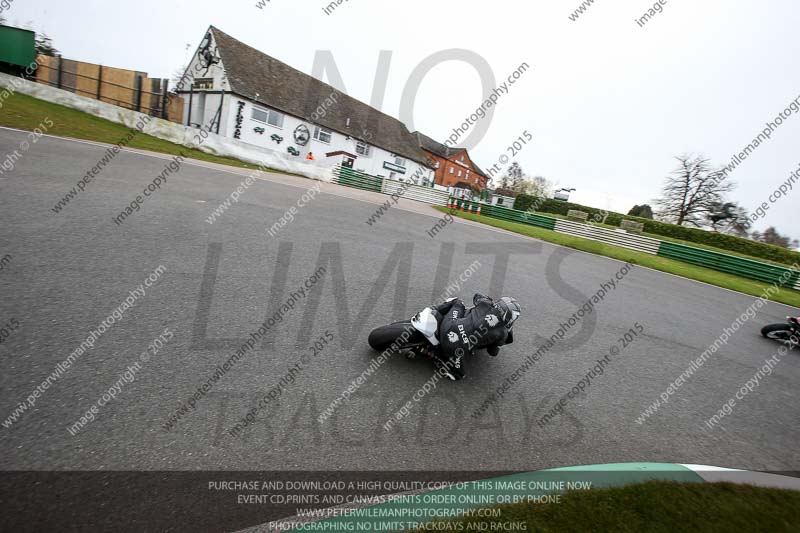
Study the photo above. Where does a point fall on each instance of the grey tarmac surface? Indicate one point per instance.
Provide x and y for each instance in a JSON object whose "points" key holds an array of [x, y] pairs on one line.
{"points": [[69, 271]]}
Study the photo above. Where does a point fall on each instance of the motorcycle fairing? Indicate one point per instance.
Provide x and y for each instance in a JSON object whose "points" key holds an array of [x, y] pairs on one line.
{"points": [[426, 323]]}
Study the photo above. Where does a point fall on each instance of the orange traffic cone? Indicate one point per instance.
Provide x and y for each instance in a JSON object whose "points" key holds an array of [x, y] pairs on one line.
{"points": [[479, 209]]}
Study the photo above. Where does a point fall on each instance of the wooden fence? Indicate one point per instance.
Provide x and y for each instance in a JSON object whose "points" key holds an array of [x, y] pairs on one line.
{"points": [[125, 88]]}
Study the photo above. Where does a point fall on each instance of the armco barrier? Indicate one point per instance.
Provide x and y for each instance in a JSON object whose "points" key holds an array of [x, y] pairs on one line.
{"points": [[415, 192], [739, 266], [360, 180], [610, 236], [513, 215], [353, 178]]}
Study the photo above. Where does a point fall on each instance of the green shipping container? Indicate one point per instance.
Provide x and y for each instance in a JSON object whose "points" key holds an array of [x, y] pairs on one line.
{"points": [[17, 46]]}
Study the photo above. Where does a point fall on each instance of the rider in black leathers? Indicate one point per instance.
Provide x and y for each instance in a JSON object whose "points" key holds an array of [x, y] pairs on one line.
{"points": [[463, 331]]}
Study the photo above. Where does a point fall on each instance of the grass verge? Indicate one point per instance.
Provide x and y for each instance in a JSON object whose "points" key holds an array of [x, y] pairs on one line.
{"points": [[656, 506], [679, 241], [24, 112], [686, 270]]}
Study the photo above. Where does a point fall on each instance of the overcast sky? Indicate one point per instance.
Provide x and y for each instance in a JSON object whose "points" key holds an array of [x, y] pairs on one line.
{"points": [[609, 103]]}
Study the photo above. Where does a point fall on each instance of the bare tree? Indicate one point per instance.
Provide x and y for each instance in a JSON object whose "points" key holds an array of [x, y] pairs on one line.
{"points": [[692, 191], [771, 236], [538, 186], [513, 177]]}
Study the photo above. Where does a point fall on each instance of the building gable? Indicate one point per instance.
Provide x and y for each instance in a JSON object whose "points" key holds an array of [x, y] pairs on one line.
{"points": [[263, 79]]}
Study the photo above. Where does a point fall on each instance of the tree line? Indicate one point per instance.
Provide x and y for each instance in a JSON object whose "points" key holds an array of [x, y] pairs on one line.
{"points": [[695, 194]]}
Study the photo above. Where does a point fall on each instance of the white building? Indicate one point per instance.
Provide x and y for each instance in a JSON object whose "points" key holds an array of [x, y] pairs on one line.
{"points": [[237, 91]]}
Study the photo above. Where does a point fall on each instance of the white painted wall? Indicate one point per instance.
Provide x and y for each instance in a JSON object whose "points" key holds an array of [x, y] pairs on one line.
{"points": [[205, 106], [169, 131], [372, 164]]}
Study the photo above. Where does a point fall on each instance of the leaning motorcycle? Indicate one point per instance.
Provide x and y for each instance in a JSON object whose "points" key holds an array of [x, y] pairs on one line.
{"points": [[415, 337], [788, 333]]}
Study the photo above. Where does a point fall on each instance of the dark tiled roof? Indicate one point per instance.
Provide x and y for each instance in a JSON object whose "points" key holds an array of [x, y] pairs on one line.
{"points": [[479, 170], [426, 143], [278, 85]]}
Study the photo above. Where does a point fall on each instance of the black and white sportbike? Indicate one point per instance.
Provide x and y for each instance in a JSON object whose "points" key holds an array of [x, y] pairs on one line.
{"points": [[788, 333], [449, 332]]}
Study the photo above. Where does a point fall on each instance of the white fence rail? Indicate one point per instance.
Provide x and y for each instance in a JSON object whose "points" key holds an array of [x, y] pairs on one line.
{"points": [[617, 238], [415, 192]]}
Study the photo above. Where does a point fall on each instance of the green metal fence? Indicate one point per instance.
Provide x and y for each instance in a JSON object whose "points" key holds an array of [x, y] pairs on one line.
{"points": [[513, 215], [739, 266], [731, 264], [359, 180]]}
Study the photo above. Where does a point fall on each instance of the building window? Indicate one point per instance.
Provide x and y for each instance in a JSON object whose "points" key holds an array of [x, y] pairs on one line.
{"points": [[203, 83], [452, 170], [322, 135], [459, 173], [467, 173], [363, 149], [267, 116], [400, 162]]}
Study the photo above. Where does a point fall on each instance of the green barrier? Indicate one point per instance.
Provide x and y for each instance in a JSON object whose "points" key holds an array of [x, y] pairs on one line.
{"points": [[359, 180], [739, 266], [521, 217]]}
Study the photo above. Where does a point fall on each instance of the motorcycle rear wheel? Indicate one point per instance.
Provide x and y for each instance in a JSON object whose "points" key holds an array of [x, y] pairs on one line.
{"points": [[384, 337], [781, 333]]}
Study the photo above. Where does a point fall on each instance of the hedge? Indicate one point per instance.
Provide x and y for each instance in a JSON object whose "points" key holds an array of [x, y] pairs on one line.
{"points": [[718, 240]]}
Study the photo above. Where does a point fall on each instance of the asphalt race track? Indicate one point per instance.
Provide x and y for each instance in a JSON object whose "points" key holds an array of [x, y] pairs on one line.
{"points": [[68, 271]]}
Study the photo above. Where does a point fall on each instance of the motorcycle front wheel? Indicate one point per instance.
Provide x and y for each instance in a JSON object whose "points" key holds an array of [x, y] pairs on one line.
{"points": [[402, 333], [780, 332]]}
